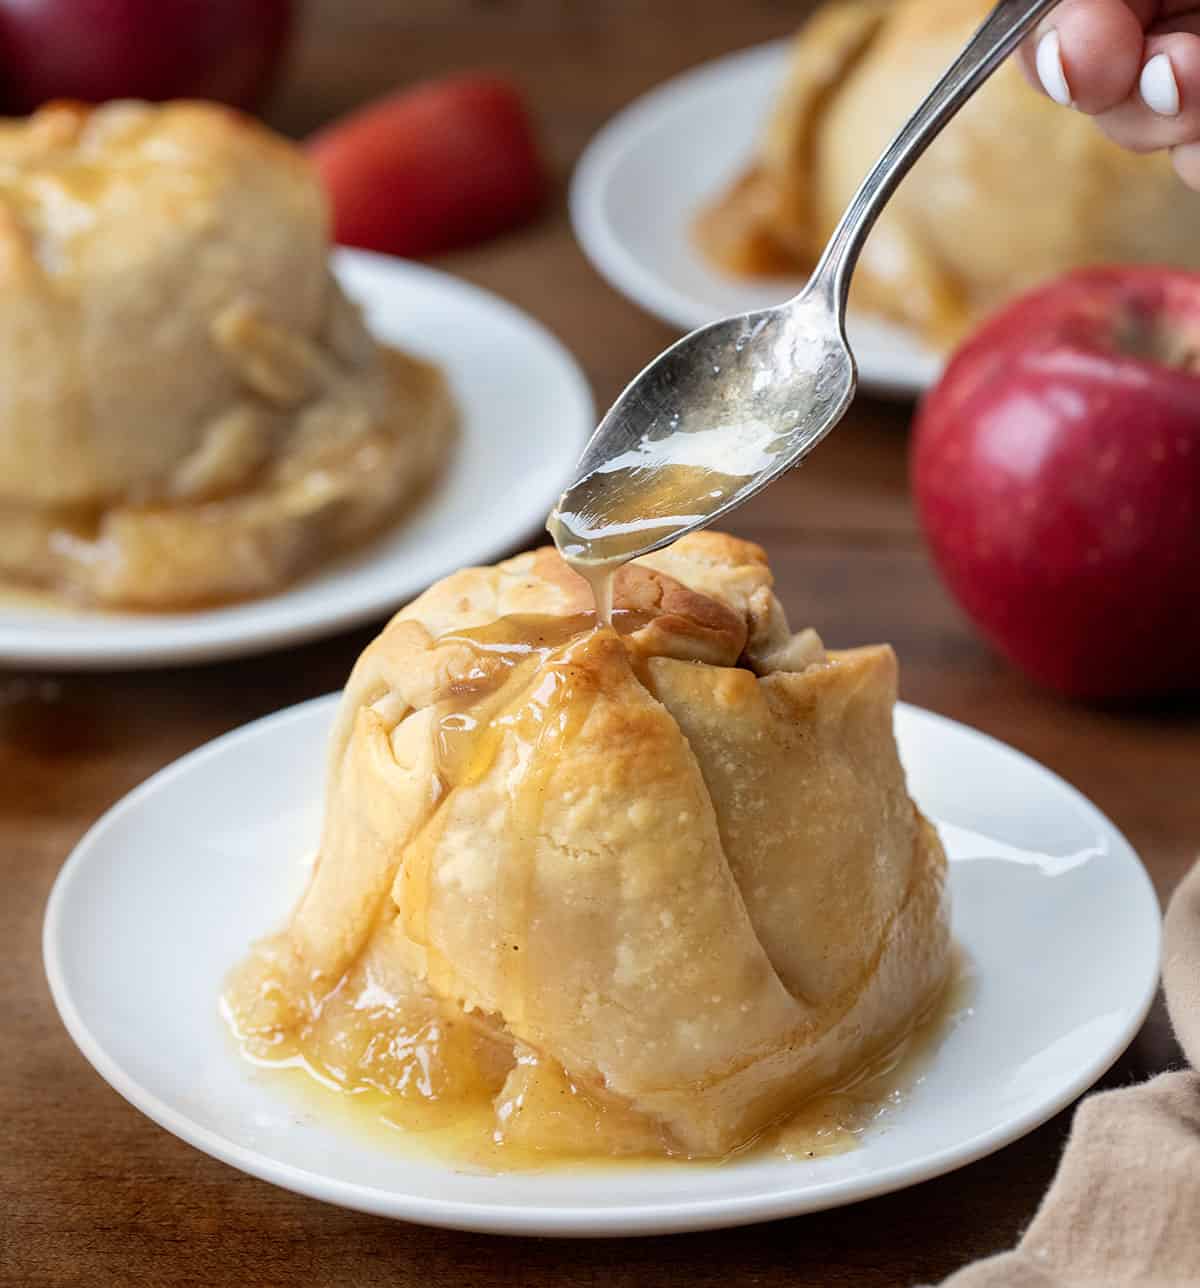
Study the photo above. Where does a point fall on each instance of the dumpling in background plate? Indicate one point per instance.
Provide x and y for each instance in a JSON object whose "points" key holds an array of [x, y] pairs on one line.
{"points": [[190, 409], [1015, 190]]}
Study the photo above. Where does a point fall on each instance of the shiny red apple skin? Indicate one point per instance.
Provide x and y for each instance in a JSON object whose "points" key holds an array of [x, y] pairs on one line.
{"points": [[433, 167], [1056, 472], [94, 50]]}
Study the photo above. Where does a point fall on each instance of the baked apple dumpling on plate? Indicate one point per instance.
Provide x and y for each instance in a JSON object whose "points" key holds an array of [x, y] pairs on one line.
{"points": [[191, 411], [634, 890]]}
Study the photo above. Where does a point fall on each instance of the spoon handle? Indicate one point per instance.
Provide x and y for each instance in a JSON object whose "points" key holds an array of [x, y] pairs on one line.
{"points": [[1001, 32]]}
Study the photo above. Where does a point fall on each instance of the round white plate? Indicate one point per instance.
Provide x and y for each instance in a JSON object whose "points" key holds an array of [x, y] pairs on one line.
{"points": [[646, 174], [525, 413], [165, 893]]}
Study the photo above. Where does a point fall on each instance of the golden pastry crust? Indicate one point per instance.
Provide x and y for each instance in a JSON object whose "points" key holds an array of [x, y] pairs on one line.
{"points": [[689, 875], [190, 409], [970, 227]]}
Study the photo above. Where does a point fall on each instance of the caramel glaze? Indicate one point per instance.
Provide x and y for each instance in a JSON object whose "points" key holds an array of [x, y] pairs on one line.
{"points": [[381, 1050], [670, 484], [540, 706], [443, 1085]]}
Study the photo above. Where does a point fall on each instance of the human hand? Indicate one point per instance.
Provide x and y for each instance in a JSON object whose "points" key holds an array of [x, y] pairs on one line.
{"points": [[1133, 65]]}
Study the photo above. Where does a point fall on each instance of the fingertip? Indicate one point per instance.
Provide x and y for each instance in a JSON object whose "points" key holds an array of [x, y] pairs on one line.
{"points": [[1169, 82], [1051, 70], [1159, 86], [1100, 48]]}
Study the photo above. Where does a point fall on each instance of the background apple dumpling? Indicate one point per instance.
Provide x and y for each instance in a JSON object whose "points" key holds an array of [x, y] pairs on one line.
{"points": [[190, 408], [971, 227]]}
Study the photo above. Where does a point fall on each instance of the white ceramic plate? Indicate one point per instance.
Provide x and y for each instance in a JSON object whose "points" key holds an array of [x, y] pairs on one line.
{"points": [[165, 893], [525, 413], [643, 178]]}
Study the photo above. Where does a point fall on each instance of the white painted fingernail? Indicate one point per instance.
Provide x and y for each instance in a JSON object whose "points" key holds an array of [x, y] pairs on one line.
{"points": [[1050, 69], [1159, 88]]}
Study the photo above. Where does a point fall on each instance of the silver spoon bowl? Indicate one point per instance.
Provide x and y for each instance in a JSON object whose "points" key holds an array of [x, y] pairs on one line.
{"points": [[731, 406]]}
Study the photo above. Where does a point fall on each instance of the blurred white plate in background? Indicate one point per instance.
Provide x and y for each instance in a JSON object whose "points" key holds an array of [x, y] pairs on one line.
{"points": [[642, 179], [164, 895], [525, 413]]}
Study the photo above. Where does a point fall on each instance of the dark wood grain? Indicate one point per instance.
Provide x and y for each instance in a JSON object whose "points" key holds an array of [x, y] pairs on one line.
{"points": [[91, 1193]]}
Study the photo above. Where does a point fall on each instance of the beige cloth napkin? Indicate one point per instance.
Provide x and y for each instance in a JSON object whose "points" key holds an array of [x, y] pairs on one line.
{"points": [[1124, 1208]]}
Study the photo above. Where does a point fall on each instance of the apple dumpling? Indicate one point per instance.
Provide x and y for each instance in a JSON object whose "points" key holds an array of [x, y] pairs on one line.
{"points": [[190, 408], [1014, 191], [642, 888]]}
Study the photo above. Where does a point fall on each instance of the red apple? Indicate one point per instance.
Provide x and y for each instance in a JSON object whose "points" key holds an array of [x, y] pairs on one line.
{"points": [[433, 167], [94, 50], [1056, 468]]}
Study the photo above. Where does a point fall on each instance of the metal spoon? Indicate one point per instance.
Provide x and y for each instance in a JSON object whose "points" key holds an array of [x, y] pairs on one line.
{"points": [[734, 404]]}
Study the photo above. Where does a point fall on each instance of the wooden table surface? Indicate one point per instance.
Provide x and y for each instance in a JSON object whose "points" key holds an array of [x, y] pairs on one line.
{"points": [[93, 1193]]}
